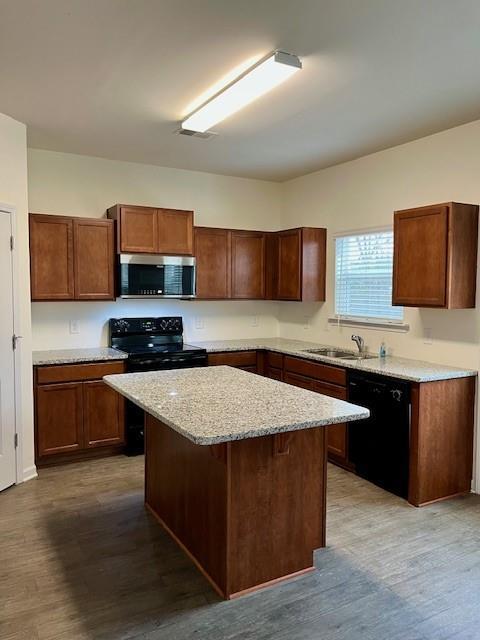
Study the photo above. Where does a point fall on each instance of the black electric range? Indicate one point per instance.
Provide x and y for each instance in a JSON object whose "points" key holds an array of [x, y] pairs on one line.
{"points": [[152, 344]]}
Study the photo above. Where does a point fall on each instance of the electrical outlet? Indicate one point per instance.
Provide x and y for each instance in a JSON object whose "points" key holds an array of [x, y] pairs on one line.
{"points": [[254, 322], [427, 336], [74, 326], [306, 323], [199, 323]]}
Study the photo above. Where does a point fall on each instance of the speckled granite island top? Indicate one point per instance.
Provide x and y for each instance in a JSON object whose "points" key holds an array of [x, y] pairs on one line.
{"points": [[73, 356], [209, 405], [391, 366]]}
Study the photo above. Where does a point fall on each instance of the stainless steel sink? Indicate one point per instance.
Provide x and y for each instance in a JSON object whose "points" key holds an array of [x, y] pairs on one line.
{"points": [[339, 353]]}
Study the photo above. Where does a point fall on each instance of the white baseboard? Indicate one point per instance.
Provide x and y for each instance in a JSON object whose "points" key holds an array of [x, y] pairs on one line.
{"points": [[29, 473]]}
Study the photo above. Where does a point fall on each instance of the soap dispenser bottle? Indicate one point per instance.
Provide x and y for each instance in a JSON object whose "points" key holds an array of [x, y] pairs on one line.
{"points": [[382, 352]]}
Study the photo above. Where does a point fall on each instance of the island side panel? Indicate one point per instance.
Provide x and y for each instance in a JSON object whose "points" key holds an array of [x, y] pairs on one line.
{"points": [[186, 489], [277, 507], [441, 444]]}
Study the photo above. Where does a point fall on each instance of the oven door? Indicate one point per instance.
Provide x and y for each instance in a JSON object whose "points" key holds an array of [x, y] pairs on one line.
{"points": [[151, 276]]}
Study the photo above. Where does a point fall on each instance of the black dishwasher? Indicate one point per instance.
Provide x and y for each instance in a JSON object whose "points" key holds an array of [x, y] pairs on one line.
{"points": [[379, 446]]}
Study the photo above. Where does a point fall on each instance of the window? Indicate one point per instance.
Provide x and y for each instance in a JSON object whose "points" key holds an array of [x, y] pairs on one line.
{"points": [[363, 277]]}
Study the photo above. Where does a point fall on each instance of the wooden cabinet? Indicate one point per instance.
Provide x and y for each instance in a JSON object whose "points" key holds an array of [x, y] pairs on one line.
{"points": [[337, 445], [93, 259], [71, 258], [51, 257], [246, 360], [435, 256], [76, 414], [103, 415], [212, 252], [59, 414], [175, 232], [137, 230], [153, 230], [297, 264], [230, 264], [248, 265], [331, 381], [273, 363], [257, 265]]}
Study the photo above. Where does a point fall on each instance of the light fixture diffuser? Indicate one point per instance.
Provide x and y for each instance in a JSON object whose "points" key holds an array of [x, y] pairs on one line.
{"points": [[253, 83]]}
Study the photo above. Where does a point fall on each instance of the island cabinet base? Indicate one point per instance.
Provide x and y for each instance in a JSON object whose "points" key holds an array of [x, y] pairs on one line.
{"points": [[248, 512]]}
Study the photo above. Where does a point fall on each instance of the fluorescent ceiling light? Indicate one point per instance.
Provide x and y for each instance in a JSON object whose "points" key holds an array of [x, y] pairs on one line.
{"points": [[255, 82]]}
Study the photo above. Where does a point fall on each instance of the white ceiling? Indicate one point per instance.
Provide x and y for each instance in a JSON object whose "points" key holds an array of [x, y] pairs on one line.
{"points": [[112, 78]]}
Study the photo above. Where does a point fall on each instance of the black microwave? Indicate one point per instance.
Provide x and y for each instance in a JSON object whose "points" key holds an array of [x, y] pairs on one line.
{"points": [[152, 276]]}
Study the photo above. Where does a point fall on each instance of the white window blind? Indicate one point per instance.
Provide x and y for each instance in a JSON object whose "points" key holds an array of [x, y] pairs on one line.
{"points": [[363, 277]]}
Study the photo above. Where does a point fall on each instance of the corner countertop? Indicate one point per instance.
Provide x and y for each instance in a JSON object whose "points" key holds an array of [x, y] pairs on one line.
{"points": [[209, 405], [75, 356], [391, 366]]}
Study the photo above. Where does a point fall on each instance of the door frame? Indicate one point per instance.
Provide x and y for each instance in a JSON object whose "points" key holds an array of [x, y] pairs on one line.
{"points": [[11, 210]]}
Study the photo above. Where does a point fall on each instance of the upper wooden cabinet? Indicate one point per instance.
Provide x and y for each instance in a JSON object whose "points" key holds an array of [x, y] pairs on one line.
{"points": [[435, 256], [248, 265], [212, 251], [71, 258], [153, 230], [257, 265], [93, 259], [51, 257], [296, 264]]}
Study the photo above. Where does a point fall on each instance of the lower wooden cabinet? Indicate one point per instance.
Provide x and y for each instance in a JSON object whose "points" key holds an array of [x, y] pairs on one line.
{"points": [[59, 418], [77, 418], [246, 360], [103, 419]]}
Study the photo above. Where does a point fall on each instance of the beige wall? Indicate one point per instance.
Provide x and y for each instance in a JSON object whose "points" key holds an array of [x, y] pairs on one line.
{"points": [[13, 191], [84, 186], [364, 193]]}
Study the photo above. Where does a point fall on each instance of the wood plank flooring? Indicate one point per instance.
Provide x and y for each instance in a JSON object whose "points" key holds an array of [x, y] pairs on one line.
{"points": [[80, 559]]}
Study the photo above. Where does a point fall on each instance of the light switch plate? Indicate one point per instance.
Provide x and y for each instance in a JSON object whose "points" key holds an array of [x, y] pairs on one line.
{"points": [[199, 323], [254, 321], [74, 328]]}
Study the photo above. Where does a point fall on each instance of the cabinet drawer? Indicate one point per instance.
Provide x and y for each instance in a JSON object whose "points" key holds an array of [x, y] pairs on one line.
{"points": [[75, 372], [316, 370], [234, 359], [274, 360], [332, 390], [299, 381]]}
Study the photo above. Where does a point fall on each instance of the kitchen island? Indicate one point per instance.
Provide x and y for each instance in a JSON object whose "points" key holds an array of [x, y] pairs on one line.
{"points": [[235, 469]]}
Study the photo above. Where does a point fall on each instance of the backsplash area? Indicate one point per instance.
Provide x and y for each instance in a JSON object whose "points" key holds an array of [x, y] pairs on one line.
{"points": [[64, 325]]}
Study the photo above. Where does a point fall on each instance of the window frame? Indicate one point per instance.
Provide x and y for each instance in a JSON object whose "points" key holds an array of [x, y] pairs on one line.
{"points": [[373, 322]]}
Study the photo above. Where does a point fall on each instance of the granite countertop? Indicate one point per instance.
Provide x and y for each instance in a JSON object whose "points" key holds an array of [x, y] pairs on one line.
{"points": [[391, 366], [73, 356], [209, 405]]}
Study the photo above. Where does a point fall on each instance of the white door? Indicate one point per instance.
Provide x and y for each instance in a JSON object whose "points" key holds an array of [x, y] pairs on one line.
{"points": [[7, 361]]}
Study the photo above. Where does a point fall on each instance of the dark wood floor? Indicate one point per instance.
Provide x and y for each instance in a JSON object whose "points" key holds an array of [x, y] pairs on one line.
{"points": [[81, 559]]}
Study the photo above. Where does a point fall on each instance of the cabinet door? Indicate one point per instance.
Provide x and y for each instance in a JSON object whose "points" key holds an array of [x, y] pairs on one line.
{"points": [[248, 265], [289, 277], [212, 251], [51, 257], [175, 232], [94, 259], [420, 257], [336, 433], [103, 415], [59, 422], [274, 373], [138, 230]]}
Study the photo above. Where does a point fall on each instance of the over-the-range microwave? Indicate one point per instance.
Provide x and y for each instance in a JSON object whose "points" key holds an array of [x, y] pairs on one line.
{"points": [[152, 276]]}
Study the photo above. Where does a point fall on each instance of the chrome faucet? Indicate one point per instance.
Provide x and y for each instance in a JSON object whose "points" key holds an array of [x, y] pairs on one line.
{"points": [[360, 342]]}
